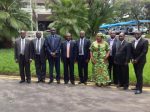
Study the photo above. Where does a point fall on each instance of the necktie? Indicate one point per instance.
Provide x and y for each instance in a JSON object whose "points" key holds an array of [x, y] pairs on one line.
{"points": [[68, 49], [81, 47], [38, 46], [22, 46]]}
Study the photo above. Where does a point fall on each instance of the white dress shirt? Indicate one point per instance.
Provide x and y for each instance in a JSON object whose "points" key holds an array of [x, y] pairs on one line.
{"points": [[22, 46], [136, 42], [111, 44], [68, 49], [38, 45]]}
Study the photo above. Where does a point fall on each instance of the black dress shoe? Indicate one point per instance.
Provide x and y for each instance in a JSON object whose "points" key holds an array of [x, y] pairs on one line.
{"points": [[133, 88], [125, 88], [85, 83], [22, 81], [72, 82], [28, 81], [51, 81], [66, 82], [138, 92], [43, 81], [79, 82], [38, 81], [58, 82]]}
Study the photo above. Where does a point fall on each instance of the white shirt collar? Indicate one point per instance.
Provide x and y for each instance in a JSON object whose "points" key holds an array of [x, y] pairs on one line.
{"points": [[138, 39], [37, 38]]}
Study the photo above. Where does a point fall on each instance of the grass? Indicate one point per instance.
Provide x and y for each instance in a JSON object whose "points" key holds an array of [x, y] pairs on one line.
{"points": [[9, 67]]}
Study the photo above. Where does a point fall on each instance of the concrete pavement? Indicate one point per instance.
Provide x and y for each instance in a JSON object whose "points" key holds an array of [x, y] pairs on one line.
{"points": [[15, 97]]}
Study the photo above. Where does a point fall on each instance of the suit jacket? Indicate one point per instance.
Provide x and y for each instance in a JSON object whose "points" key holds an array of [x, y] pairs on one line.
{"points": [[86, 48], [123, 53], [17, 49], [42, 50], [113, 46], [72, 50], [57, 44], [139, 53]]}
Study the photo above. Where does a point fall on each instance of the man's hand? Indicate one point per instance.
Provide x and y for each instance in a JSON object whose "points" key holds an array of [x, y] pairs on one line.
{"points": [[134, 61], [30, 60], [93, 61], [16, 61], [53, 54], [87, 60], [126, 63]]}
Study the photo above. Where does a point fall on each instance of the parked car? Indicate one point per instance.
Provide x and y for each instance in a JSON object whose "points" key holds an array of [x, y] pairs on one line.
{"points": [[104, 31], [132, 29], [120, 29]]}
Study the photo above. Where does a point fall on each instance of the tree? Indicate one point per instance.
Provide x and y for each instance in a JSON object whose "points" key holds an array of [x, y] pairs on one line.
{"points": [[69, 16], [135, 9], [100, 11], [12, 18]]}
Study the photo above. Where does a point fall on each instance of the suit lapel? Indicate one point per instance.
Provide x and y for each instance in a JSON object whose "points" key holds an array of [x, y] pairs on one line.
{"points": [[42, 42], [34, 42], [19, 43], [133, 43]]}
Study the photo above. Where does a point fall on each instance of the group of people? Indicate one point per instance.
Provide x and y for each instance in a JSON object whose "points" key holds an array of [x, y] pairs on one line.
{"points": [[110, 58]]}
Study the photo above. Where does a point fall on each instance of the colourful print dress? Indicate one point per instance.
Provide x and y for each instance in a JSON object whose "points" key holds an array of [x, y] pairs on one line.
{"points": [[100, 68]]}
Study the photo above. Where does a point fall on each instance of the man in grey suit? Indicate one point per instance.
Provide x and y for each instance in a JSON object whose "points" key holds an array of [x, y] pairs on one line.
{"points": [[39, 56], [121, 59], [23, 56]]}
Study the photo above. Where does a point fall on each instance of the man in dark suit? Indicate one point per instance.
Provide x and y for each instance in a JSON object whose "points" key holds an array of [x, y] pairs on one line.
{"points": [[39, 55], [121, 59], [52, 44], [112, 43], [83, 57], [139, 48], [23, 57], [68, 56]]}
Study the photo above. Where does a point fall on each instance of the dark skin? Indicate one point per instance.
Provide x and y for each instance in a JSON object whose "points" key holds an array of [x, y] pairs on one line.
{"points": [[137, 35], [23, 35], [82, 34], [112, 34], [38, 35], [53, 31], [68, 37]]}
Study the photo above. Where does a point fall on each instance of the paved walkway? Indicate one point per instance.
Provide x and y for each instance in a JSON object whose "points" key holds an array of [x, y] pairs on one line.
{"points": [[15, 97]]}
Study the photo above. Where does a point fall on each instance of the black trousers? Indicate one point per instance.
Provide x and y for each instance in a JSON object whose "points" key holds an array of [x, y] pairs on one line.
{"points": [[54, 62], [68, 70], [123, 75], [82, 69], [40, 68], [24, 68], [112, 67], [138, 68]]}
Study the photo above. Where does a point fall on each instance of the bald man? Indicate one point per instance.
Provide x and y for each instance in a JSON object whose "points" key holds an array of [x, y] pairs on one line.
{"points": [[68, 56], [139, 49], [121, 59], [23, 57], [83, 57], [39, 55]]}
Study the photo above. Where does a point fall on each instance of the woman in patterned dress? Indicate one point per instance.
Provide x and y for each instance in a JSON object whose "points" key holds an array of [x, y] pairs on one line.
{"points": [[99, 54]]}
